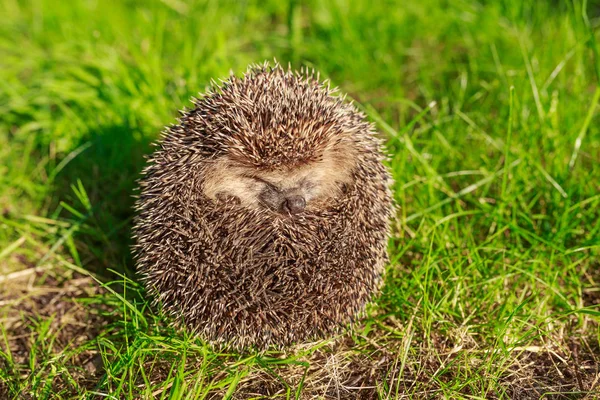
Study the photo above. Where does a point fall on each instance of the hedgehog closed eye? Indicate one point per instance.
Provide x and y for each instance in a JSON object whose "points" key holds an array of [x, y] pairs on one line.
{"points": [[257, 238]]}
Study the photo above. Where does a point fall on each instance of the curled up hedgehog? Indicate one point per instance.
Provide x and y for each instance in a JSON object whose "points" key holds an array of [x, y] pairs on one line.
{"points": [[263, 215]]}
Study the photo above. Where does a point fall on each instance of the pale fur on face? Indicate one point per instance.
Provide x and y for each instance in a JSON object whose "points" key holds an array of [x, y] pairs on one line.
{"points": [[317, 182]]}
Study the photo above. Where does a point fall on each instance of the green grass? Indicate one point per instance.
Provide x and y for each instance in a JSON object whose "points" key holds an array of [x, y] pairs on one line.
{"points": [[490, 114]]}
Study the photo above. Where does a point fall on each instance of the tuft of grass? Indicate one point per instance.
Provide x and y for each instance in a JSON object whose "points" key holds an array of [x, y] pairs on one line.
{"points": [[490, 114]]}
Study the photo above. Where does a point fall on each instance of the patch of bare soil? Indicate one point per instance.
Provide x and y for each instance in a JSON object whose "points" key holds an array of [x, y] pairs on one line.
{"points": [[379, 370], [572, 373], [46, 323]]}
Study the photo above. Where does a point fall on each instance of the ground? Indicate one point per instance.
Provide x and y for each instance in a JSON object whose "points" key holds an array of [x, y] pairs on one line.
{"points": [[489, 110]]}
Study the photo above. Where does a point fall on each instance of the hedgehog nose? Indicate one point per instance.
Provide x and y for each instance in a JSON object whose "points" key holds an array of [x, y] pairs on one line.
{"points": [[294, 204]]}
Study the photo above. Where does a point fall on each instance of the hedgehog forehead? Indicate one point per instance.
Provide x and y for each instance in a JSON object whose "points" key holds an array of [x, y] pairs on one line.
{"points": [[291, 172], [286, 149]]}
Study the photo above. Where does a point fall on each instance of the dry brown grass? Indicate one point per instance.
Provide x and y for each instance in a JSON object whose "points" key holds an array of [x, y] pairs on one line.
{"points": [[393, 360]]}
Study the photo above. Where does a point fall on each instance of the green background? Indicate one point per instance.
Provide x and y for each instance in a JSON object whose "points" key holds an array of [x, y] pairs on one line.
{"points": [[489, 111]]}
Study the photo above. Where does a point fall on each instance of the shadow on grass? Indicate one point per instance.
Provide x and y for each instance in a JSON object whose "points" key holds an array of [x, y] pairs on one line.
{"points": [[95, 190], [67, 313]]}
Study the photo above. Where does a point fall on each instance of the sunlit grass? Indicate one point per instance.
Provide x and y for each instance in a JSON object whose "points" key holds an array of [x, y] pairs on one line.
{"points": [[490, 114]]}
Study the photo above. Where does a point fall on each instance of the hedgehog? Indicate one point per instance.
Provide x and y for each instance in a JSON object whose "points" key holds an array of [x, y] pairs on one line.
{"points": [[263, 215]]}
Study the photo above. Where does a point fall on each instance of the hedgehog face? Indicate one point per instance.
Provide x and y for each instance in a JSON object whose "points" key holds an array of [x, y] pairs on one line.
{"points": [[288, 191]]}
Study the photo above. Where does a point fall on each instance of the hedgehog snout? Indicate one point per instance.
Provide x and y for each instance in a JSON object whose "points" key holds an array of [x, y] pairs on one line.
{"points": [[287, 201], [293, 204]]}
